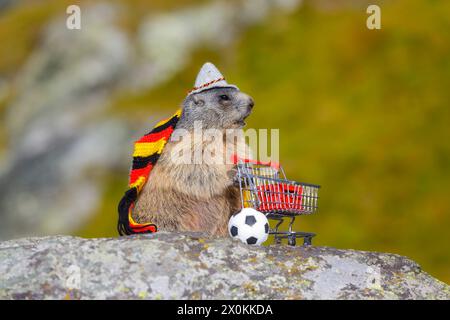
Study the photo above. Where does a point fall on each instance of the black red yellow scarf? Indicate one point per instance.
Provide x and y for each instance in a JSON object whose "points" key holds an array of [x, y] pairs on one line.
{"points": [[147, 151]]}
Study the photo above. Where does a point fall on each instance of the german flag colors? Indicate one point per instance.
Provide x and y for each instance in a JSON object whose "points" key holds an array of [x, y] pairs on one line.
{"points": [[147, 151]]}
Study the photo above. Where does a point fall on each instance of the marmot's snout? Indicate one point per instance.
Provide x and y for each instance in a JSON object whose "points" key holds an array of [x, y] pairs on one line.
{"points": [[246, 104], [251, 102], [245, 100]]}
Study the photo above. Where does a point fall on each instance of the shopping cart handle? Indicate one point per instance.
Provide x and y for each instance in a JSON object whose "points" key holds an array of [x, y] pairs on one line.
{"points": [[272, 164]]}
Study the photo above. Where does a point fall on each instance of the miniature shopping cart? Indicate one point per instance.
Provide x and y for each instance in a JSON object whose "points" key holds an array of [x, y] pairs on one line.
{"points": [[263, 186]]}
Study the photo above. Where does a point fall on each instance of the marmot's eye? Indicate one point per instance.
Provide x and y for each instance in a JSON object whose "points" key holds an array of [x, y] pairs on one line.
{"points": [[224, 97]]}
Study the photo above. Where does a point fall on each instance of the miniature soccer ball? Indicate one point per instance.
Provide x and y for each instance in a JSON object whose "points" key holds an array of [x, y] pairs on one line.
{"points": [[249, 226]]}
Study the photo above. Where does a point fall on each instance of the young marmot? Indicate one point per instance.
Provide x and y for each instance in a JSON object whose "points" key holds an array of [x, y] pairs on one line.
{"points": [[198, 196]]}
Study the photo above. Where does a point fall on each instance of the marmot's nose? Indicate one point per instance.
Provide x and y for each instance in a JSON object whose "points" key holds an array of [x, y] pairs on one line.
{"points": [[251, 103]]}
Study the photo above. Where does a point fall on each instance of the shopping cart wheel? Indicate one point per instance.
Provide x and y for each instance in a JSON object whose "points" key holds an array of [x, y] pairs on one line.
{"points": [[291, 240], [307, 241]]}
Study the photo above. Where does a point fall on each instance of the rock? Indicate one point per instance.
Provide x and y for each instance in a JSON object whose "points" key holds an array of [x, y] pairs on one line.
{"points": [[189, 266]]}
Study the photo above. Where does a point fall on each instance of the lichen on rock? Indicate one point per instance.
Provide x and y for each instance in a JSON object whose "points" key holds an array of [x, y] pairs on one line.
{"points": [[190, 266]]}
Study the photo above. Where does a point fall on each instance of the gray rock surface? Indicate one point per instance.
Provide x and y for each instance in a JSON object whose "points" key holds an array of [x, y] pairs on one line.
{"points": [[189, 266]]}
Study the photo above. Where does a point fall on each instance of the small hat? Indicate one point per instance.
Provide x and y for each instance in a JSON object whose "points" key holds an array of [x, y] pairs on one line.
{"points": [[210, 77]]}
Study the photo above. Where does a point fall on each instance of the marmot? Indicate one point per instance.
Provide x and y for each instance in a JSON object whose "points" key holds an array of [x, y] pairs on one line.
{"points": [[198, 196]]}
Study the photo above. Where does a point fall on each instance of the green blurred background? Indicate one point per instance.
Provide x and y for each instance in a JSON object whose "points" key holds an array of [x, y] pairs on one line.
{"points": [[364, 113]]}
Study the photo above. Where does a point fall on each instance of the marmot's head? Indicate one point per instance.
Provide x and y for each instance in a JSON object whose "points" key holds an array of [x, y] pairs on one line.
{"points": [[221, 108]]}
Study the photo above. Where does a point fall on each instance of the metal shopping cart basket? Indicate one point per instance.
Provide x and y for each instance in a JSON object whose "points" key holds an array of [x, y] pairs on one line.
{"points": [[264, 187]]}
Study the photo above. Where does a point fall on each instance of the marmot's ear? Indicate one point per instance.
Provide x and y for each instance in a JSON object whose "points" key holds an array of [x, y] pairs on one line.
{"points": [[197, 101]]}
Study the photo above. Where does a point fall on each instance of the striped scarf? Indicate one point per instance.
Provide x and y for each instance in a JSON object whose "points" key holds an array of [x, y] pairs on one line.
{"points": [[147, 151]]}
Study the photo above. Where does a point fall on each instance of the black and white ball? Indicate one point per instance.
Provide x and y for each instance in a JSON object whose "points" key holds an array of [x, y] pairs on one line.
{"points": [[249, 226]]}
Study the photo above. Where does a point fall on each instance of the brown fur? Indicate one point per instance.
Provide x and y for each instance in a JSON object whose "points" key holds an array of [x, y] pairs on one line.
{"points": [[189, 197]]}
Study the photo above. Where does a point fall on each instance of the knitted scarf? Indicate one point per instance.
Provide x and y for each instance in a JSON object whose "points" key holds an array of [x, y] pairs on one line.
{"points": [[147, 151]]}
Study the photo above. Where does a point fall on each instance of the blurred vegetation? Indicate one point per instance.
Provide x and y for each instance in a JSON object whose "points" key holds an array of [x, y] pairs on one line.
{"points": [[363, 113]]}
